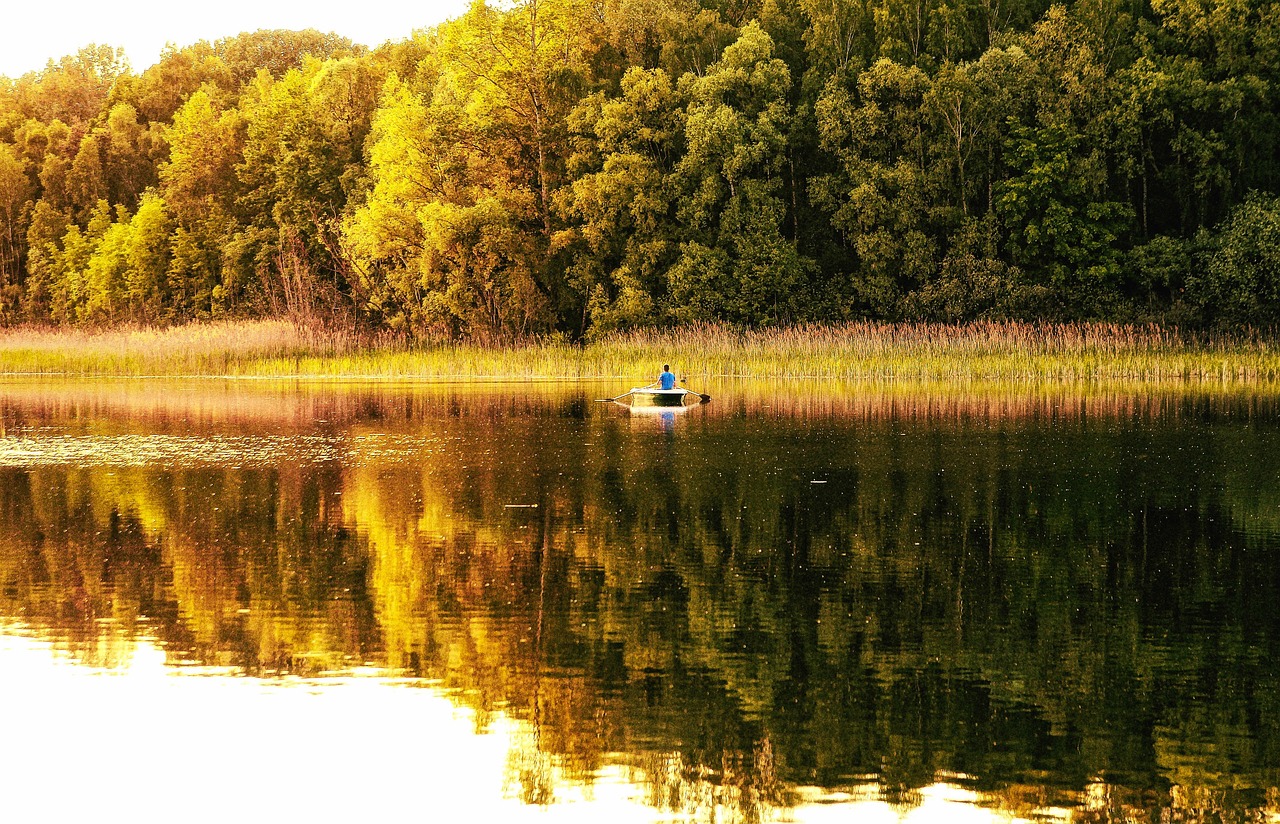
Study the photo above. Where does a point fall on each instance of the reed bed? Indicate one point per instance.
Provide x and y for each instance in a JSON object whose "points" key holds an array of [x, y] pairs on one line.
{"points": [[197, 349], [859, 352]]}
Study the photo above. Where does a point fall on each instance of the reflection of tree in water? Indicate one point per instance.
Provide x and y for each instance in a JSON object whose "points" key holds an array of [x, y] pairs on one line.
{"points": [[229, 568], [746, 788], [1036, 606], [63, 559], [531, 771]]}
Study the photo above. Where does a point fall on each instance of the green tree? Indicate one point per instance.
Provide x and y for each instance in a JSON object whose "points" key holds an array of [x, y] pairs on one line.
{"points": [[1062, 194], [198, 286], [104, 278], [881, 193], [622, 202], [589, 166], [16, 191], [198, 186], [1058, 227], [840, 35], [734, 261], [515, 76], [384, 237], [70, 290], [477, 163], [55, 164], [45, 233], [161, 90], [129, 154], [277, 51], [147, 257], [205, 145], [86, 178], [303, 145], [1241, 284], [73, 89]]}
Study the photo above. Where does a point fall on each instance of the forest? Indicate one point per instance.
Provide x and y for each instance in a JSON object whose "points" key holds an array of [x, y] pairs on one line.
{"points": [[573, 168]]}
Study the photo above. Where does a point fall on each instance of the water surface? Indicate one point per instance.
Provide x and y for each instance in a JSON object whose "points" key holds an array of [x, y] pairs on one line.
{"points": [[238, 599]]}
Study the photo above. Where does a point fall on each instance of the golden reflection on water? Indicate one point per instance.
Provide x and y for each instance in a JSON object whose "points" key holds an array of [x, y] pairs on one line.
{"points": [[143, 734], [289, 405], [330, 539], [207, 744]]}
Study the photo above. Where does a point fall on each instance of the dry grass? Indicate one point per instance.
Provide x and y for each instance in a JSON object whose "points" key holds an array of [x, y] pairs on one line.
{"points": [[204, 349], [861, 352]]}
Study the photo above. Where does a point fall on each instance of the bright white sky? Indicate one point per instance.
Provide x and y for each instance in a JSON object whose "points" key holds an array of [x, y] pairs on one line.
{"points": [[33, 31]]}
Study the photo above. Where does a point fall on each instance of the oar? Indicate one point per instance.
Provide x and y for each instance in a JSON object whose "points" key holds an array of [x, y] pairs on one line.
{"points": [[702, 398], [611, 400]]}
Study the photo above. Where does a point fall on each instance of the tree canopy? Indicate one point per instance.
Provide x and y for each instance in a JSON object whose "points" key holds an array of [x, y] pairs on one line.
{"points": [[559, 167]]}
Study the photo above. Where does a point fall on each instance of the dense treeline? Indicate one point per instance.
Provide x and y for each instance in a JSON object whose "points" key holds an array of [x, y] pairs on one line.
{"points": [[558, 166]]}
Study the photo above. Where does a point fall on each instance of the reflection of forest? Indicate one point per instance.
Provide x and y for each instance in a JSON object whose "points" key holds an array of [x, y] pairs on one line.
{"points": [[1040, 604]]}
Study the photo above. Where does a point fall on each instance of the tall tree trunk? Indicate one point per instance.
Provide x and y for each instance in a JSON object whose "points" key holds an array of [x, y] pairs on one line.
{"points": [[535, 80]]}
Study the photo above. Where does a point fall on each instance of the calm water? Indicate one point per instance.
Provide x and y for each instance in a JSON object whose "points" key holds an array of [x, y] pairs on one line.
{"points": [[242, 602]]}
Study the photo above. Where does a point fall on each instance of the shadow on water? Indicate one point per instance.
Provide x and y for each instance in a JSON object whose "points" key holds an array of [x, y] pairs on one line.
{"points": [[1053, 605]]}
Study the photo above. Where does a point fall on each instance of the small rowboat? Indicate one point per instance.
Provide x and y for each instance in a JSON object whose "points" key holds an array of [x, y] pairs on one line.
{"points": [[661, 397], [648, 396]]}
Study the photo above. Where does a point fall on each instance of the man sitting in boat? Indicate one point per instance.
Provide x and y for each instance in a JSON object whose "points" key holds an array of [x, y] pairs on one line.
{"points": [[666, 395]]}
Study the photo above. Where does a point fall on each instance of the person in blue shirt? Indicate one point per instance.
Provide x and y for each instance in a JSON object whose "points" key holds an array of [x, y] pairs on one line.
{"points": [[666, 380]]}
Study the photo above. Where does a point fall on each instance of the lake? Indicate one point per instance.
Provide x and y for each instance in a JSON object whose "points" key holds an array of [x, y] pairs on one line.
{"points": [[268, 601]]}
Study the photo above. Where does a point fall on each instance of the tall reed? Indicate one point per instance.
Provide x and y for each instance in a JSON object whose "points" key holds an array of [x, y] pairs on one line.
{"points": [[864, 352]]}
